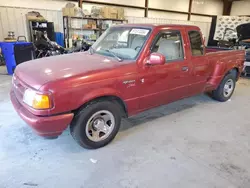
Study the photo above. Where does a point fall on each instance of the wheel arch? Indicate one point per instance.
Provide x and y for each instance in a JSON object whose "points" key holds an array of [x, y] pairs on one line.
{"points": [[215, 80], [105, 97], [235, 71]]}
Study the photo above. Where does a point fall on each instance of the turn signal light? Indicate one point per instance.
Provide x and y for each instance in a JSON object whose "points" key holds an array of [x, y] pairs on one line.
{"points": [[41, 102], [36, 100]]}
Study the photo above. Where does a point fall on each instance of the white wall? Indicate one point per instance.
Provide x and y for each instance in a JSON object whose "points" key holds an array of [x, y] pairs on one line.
{"points": [[178, 5], [201, 18], [14, 19], [212, 7], [51, 10], [167, 15], [37, 4], [59, 4], [240, 8]]}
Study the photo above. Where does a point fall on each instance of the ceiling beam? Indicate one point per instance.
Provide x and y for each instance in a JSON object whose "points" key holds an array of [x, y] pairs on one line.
{"points": [[227, 6], [190, 9], [146, 10], [80, 3]]}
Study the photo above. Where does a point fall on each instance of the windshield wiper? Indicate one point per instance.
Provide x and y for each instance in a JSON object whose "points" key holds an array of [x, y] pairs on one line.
{"points": [[114, 55]]}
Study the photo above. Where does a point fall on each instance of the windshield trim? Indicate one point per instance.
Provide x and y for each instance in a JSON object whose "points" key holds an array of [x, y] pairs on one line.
{"points": [[131, 27]]}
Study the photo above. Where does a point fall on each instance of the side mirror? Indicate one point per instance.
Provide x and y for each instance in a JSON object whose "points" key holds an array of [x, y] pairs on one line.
{"points": [[156, 59]]}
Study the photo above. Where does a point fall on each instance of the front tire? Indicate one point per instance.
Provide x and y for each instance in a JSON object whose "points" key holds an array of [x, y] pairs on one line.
{"points": [[225, 89], [96, 125]]}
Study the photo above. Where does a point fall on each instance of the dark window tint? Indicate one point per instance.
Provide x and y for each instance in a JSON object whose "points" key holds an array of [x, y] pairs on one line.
{"points": [[196, 43], [169, 43]]}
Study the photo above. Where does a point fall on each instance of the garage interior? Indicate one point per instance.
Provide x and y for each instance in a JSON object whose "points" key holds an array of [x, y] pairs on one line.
{"points": [[193, 142]]}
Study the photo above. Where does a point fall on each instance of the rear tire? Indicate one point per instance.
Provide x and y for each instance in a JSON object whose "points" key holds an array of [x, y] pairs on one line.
{"points": [[225, 89], [97, 124]]}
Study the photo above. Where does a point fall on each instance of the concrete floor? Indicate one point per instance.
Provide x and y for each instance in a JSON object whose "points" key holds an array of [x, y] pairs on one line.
{"points": [[196, 142]]}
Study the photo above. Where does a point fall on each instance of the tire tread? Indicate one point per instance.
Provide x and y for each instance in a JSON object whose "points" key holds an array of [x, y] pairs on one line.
{"points": [[75, 126], [218, 93]]}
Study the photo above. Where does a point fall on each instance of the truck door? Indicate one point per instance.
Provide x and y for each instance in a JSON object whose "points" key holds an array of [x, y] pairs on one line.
{"points": [[169, 82], [199, 62]]}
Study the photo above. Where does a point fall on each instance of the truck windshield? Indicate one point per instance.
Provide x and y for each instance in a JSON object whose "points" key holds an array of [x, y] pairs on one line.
{"points": [[124, 43]]}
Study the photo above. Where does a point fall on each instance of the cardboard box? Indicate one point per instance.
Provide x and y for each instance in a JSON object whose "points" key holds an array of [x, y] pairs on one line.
{"points": [[68, 12], [105, 12], [93, 26], [92, 23], [113, 13], [35, 18], [109, 12], [87, 26], [120, 13]]}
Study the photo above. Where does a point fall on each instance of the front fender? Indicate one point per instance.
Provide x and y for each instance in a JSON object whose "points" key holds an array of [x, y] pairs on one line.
{"points": [[97, 93]]}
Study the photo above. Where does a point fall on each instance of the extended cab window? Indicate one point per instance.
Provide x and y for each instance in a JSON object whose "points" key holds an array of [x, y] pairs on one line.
{"points": [[169, 43], [196, 43]]}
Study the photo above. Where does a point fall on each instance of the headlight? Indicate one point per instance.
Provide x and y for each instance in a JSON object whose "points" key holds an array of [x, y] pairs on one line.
{"points": [[36, 100]]}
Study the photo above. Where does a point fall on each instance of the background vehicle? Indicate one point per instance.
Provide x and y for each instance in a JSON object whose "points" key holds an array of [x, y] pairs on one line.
{"points": [[243, 31], [131, 68], [230, 43], [44, 47]]}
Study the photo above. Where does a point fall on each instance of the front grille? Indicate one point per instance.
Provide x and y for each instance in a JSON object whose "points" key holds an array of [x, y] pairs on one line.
{"points": [[18, 87]]}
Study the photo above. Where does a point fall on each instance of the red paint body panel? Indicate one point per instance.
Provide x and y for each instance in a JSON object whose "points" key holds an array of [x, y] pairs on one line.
{"points": [[76, 79]]}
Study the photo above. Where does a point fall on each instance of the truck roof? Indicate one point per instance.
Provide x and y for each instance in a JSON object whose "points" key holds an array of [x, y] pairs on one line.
{"points": [[159, 26]]}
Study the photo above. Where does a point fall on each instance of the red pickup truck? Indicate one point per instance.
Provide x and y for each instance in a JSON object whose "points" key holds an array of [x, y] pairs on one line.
{"points": [[130, 68]]}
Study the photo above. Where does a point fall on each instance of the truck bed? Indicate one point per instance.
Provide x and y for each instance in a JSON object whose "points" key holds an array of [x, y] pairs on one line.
{"points": [[220, 61], [210, 49]]}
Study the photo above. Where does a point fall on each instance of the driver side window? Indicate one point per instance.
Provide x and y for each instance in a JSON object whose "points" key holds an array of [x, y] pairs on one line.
{"points": [[169, 43]]}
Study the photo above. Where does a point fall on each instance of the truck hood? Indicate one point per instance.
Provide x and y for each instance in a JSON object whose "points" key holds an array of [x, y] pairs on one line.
{"points": [[38, 72]]}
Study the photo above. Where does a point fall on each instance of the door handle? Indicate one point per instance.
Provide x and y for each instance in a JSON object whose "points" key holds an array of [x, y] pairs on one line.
{"points": [[185, 69]]}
